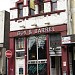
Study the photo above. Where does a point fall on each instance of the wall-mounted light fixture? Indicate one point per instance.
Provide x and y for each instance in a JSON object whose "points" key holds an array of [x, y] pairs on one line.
{"points": [[48, 23], [22, 26], [34, 25]]}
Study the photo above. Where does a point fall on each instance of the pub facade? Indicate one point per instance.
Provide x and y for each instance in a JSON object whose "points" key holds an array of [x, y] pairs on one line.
{"points": [[35, 37]]}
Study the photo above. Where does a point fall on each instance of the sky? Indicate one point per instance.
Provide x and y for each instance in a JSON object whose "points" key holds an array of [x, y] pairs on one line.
{"points": [[5, 5]]}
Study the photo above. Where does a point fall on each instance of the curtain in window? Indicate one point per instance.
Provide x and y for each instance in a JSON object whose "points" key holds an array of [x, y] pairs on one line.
{"points": [[32, 4]]}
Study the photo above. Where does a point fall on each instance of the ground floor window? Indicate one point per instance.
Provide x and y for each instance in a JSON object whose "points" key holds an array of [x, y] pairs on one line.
{"points": [[20, 56]]}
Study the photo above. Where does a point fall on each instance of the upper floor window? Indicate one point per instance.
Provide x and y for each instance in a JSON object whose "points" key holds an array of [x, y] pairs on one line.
{"points": [[20, 71], [41, 6], [31, 11], [20, 9], [31, 7], [53, 5]]}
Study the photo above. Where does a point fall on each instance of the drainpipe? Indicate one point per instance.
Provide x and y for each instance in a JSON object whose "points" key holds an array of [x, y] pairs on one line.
{"points": [[73, 15], [69, 22]]}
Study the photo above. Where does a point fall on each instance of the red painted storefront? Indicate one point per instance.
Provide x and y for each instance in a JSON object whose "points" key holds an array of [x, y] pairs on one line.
{"points": [[62, 29]]}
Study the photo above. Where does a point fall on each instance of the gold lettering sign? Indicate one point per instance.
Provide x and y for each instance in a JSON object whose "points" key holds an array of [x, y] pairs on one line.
{"points": [[36, 31]]}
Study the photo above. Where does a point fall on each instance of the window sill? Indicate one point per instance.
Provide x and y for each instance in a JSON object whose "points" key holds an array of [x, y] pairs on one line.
{"points": [[20, 57], [41, 14], [20, 49]]}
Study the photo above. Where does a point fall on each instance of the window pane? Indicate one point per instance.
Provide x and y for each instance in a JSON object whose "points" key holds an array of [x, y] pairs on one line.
{"points": [[32, 69], [32, 49], [42, 47], [32, 11], [20, 10], [41, 7], [41, 0], [20, 6], [42, 69], [54, 6], [55, 40], [20, 71], [19, 43], [20, 13], [53, 0], [20, 54]]}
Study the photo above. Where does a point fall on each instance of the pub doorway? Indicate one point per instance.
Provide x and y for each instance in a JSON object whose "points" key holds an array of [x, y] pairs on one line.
{"points": [[37, 55], [56, 65], [55, 54], [71, 59]]}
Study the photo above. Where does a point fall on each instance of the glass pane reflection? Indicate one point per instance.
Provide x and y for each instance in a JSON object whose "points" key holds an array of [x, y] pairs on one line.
{"points": [[42, 48], [32, 69], [42, 68], [32, 49]]}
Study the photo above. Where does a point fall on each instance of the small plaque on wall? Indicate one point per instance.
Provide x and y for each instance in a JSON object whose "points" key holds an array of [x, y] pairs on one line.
{"points": [[64, 63]]}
